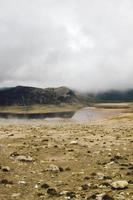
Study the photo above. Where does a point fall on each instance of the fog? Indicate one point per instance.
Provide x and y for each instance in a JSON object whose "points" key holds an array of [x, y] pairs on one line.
{"points": [[83, 44]]}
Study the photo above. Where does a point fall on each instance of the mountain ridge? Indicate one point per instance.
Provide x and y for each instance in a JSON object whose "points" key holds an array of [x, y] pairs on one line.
{"points": [[26, 95]]}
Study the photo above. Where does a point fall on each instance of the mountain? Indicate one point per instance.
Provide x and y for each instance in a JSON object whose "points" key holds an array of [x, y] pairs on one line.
{"points": [[22, 95], [111, 96]]}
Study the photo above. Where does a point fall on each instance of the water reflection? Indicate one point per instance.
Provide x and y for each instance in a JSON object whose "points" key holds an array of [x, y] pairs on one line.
{"points": [[83, 115], [51, 115], [92, 114]]}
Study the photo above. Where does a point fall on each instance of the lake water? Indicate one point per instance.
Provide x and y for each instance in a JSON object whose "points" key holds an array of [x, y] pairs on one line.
{"points": [[83, 115], [92, 114]]}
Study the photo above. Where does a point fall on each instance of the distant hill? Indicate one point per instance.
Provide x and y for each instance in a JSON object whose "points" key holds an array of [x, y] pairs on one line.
{"points": [[21, 95], [111, 96], [24, 96]]}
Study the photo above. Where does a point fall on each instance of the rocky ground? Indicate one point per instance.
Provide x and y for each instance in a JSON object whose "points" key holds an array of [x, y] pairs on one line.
{"points": [[66, 160]]}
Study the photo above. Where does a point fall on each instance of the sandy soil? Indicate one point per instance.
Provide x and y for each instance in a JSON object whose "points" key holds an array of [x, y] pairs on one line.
{"points": [[66, 160]]}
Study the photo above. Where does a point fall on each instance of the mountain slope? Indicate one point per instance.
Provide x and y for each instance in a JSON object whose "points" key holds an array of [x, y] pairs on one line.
{"points": [[111, 96], [21, 95], [24, 96]]}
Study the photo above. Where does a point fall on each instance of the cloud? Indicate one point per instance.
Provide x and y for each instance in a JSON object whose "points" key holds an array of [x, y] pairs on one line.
{"points": [[83, 44]]}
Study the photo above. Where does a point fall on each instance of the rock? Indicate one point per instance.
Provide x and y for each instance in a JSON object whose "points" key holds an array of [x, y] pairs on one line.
{"points": [[102, 196], [52, 191], [74, 142], [92, 197], [70, 150], [119, 184], [71, 195], [107, 197], [14, 154], [94, 186], [53, 168], [36, 186], [85, 186], [67, 169], [86, 178], [130, 181], [40, 194], [44, 186], [99, 175], [64, 192], [104, 185], [5, 169], [10, 135], [24, 158], [61, 169], [6, 182], [22, 182], [107, 178]]}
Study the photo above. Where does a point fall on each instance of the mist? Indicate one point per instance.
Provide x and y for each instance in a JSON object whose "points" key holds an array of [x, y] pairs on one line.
{"points": [[83, 44]]}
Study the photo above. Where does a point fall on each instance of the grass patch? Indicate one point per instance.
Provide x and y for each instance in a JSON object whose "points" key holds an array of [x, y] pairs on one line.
{"points": [[114, 105], [41, 108]]}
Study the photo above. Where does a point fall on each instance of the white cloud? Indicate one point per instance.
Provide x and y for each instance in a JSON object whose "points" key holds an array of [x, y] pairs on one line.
{"points": [[83, 44]]}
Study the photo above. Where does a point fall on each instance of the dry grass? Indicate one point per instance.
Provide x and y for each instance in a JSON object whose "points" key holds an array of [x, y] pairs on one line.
{"points": [[41, 108], [125, 116], [114, 105]]}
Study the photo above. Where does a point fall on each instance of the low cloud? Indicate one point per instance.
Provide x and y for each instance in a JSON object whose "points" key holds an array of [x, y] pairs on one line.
{"points": [[83, 44]]}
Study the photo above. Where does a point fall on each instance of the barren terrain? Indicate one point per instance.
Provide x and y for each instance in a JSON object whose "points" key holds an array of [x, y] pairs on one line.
{"points": [[67, 160]]}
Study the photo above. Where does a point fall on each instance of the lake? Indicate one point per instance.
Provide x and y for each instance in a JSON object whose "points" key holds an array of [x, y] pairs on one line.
{"points": [[86, 114]]}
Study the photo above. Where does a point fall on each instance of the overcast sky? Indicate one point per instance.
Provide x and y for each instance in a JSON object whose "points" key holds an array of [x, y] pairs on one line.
{"points": [[83, 44]]}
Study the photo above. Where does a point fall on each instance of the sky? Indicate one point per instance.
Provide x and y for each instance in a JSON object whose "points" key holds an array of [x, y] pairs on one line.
{"points": [[86, 45]]}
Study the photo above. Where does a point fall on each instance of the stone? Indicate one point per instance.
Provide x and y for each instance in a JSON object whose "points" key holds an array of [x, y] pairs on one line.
{"points": [[71, 195], [67, 169], [6, 182], [92, 197], [107, 197], [130, 181], [14, 154], [85, 186], [74, 142], [40, 194], [22, 182], [36, 186], [119, 184], [61, 169], [44, 186], [64, 192], [52, 191], [53, 168], [99, 175], [102, 196], [5, 169], [104, 185], [24, 158]]}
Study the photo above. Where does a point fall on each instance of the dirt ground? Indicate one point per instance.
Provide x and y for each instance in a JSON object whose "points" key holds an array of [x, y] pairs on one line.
{"points": [[65, 160]]}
